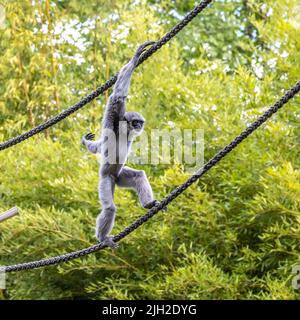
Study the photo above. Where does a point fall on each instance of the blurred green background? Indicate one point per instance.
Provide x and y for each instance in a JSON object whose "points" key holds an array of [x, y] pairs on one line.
{"points": [[233, 235]]}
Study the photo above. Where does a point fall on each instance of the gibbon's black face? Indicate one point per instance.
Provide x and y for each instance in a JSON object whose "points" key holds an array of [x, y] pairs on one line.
{"points": [[135, 122]]}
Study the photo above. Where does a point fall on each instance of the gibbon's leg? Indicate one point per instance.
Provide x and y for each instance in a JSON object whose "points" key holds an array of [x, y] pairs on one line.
{"points": [[137, 179], [106, 219]]}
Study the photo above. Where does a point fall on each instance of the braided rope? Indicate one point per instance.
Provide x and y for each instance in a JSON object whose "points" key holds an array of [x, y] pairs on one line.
{"points": [[169, 198], [109, 83]]}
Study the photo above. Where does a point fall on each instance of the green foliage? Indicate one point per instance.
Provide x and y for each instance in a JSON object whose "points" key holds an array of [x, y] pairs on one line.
{"points": [[233, 235]]}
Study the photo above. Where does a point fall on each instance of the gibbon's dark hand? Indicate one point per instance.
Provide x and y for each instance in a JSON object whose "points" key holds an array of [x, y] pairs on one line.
{"points": [[143, 47], [89, 136]]}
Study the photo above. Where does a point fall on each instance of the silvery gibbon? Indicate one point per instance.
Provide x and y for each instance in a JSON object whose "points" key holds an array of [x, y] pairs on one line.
{"points": [[119, 128]]}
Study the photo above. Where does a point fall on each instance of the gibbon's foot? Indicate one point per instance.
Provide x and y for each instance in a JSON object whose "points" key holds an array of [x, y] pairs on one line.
{"points": [[152, 204], [109, 242]]}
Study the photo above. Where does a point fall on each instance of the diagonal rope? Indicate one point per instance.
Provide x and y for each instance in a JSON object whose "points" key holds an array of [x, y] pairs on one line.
{"points": [[109, 83], [169, 198]]}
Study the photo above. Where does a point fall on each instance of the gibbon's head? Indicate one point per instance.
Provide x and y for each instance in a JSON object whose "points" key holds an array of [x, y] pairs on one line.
{"points": [[135, 123]]}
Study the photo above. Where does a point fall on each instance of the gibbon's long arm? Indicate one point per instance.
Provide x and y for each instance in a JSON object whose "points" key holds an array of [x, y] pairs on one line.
{"points": [[115, 109]]}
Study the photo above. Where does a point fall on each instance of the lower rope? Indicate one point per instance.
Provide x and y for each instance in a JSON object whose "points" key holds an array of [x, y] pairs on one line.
{"points": [[168, 199]]}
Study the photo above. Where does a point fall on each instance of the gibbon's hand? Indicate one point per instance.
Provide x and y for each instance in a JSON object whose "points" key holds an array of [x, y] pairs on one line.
{"points": [[88, 137], [143, 47]]}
